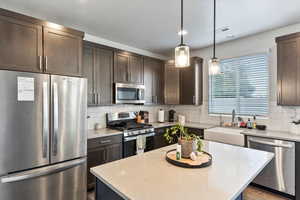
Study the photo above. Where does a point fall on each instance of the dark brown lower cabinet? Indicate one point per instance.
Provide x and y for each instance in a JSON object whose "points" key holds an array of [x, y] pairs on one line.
{"points": [[159, 140], [100, 151]]}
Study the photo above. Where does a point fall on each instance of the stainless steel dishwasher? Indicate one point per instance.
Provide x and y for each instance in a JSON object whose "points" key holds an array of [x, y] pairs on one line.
{"points": [[279, 174]]}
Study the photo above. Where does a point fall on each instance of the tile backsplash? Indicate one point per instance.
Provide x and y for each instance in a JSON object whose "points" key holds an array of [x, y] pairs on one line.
{"points": [[98, 114], [279, 117]]}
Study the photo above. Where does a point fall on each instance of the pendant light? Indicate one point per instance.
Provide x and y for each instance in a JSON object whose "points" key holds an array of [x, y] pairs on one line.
{"points": [[182, 51], [214, 64]]}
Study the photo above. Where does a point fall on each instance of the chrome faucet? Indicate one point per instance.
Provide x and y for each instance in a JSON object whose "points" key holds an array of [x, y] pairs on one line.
{"points": [[233, 117], [221, 120]]}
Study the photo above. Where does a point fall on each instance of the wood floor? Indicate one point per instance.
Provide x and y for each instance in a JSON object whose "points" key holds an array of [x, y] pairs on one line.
{"points": [[251, 193], [254, 193]]}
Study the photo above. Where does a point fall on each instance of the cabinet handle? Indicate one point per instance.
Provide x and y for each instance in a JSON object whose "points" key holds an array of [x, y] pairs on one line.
{"points": [[105, 141], [40, 63], [156, 99], [99, 98], [46, 63]]}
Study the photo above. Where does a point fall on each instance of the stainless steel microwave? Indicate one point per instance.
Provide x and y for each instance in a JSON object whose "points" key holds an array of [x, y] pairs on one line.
{"points": [[129, 93]]}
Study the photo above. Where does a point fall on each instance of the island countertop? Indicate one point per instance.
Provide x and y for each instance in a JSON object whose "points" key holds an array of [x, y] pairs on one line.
{"points": [[149, 176]]}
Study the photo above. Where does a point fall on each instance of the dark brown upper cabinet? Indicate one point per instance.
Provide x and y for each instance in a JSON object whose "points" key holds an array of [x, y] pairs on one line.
{"points": [[20, 45], [184, 86], [128, 68], [191, 83], [98, 68], [62, 52], [32, 45], [288, 70], [172, 84], [153, 80]]}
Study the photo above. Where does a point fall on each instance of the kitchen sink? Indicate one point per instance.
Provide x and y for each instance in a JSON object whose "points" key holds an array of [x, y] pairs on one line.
{"points": [[231, 136]]}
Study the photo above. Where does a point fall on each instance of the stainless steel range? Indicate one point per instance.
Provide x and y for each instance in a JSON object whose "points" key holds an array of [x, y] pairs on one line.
{"points": [[126, 122]]}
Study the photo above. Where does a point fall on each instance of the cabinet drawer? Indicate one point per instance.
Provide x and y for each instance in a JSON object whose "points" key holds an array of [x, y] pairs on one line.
{"points": [[103, 141]]}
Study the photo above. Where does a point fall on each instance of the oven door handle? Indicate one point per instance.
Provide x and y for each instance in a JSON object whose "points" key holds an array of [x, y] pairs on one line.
{"points": [[127, 139]]}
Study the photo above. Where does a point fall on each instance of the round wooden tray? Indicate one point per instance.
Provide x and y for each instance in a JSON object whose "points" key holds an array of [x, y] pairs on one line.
{"points": [[203, 160]]}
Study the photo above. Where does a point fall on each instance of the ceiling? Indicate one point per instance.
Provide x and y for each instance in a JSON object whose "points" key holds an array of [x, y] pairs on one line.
{"points": [[153, 24]]}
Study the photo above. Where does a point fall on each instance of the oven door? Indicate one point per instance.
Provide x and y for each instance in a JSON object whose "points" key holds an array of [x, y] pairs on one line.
{"points": [[129, 93], [129, 145]]}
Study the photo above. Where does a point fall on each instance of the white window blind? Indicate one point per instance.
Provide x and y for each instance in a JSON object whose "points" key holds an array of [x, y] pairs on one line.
{"points": [[243, 85]]}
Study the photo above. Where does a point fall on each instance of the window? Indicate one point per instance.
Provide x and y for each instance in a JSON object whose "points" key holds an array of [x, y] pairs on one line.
{"points": [[243, 85]]}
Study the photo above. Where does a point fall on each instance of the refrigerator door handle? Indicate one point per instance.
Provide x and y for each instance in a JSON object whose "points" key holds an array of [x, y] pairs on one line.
{"points": [[55, 118], [35, 173], [45, 120]]}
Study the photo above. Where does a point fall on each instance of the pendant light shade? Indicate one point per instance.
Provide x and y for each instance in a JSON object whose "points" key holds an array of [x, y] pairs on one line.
{"points": [[182, 51], [214, 64], [182, 56]]}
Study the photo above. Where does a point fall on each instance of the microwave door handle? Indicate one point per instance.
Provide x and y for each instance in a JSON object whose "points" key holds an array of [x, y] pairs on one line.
{"points": [[55, 118]]}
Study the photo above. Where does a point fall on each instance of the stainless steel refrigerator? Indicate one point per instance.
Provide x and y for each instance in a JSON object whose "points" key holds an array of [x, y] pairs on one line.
{"points": [[42, 136]]}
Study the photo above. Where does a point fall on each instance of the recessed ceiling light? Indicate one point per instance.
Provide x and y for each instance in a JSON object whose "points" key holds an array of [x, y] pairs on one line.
{"points": [[183, 32]]}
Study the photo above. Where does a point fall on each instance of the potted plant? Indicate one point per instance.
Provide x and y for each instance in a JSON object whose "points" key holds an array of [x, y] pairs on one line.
{"points": [[189, 142]]}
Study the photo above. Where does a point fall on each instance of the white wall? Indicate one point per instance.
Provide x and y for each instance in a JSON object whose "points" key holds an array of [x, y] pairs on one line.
{"points": [[279, 117]]}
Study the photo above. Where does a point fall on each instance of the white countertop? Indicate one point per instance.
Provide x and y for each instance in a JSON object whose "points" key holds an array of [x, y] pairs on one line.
{"points": [[187, 124], [149, 176], [281, 135], [103, 132]]}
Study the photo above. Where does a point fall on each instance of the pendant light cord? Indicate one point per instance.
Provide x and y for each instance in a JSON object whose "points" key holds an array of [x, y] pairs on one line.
{"points": [[214, 51], [181, 22]]}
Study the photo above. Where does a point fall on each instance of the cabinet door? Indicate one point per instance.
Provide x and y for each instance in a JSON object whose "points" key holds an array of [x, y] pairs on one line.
{"points": [[171, 84], [158, 78], [88, 72], [95, 157], [159, 139], [136, 68], [63, 53], [148, 80], [191, 83], [103, 76], [20, 45], [288, 56], [114, 152], [121, 67]]}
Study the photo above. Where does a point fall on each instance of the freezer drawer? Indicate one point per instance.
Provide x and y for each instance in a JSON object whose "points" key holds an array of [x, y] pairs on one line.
{"points": [[69, 118], [279, 174], [65, 181], [24, 120]]}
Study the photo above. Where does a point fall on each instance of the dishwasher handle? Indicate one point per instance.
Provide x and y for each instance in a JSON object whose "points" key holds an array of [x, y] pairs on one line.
{"points": [[289, 146]]}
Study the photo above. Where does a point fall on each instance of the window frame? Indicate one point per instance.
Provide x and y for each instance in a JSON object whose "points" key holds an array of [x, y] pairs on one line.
{"points": [[268, 61]]}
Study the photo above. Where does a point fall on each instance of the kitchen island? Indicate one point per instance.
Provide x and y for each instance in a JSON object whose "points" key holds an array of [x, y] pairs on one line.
{"points": [[149, 176]]}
